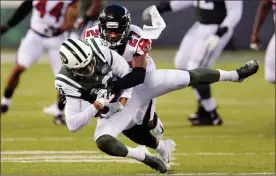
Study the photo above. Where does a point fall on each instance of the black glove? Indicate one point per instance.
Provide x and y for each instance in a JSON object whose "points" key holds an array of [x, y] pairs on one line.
{"points": [[221, 31], [164, 7], [4, 28]]}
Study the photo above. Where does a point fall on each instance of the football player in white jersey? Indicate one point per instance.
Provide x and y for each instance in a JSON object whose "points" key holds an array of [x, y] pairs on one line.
{"points": [[85, 79], [117, 32], [49, 21], [263, 10], [203, 44]]}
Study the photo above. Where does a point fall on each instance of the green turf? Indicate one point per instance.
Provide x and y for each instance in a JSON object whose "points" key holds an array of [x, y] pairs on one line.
{"points": [[244, 144]]}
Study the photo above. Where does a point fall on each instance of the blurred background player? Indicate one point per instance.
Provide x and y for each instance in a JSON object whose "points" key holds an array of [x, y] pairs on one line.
{"points": [[263, 9], [90, 10], [49, 21], [202, 45]]}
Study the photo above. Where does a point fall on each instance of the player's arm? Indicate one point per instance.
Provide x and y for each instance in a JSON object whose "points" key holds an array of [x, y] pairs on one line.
{"points": [[138, 73], [78, 112], [71, 15], [93, 12], [234, 14], [263, 9], [22, 11], [121, 69], [171, 6]]}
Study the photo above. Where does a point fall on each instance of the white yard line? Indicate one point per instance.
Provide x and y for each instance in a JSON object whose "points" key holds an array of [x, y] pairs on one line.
{"points": [[39, 152], [219, 174]]}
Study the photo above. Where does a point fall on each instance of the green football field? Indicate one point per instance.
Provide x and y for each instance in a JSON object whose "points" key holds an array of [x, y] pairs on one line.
{"points": [[32, 145]]}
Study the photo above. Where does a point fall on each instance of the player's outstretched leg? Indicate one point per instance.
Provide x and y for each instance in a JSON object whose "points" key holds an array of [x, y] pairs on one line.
{"points": [[209, 76], [13, 82], [113, 147]]}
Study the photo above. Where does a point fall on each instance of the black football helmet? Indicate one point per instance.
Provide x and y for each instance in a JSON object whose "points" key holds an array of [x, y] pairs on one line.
{"points": [[114, 25]]}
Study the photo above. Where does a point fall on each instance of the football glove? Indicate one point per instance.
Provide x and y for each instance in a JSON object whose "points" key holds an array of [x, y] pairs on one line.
{"points": [[113, 108], [212, 41], [102, 97], [255, 43]]}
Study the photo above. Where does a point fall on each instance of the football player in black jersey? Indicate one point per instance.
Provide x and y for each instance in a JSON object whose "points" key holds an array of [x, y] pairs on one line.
{"points": [[202, 45]]}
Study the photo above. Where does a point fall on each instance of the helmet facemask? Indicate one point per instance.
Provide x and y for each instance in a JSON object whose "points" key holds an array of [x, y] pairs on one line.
{"points": [[87, 70]]}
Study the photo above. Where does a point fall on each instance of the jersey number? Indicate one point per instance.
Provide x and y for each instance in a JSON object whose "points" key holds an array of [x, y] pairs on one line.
{"points": [[204, 4], [133, 42], [55, 12]]}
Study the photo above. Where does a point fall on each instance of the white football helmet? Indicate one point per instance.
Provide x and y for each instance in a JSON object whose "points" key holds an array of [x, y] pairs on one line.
{"points": [[77, 56]]}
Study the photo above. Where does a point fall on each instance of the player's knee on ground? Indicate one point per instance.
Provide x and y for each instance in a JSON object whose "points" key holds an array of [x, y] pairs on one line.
{"points": [[111, 146]]}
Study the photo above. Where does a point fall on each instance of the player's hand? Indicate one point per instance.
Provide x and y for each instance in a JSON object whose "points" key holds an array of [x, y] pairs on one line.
{"points": [[102, 97], [113, 108], [146, 13], [4, 28], [255, 43], [212, 42]]}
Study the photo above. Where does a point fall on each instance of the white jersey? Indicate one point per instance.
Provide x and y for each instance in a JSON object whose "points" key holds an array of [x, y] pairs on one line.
{"points": [[47, 14], [136, 45], [109, 65]]}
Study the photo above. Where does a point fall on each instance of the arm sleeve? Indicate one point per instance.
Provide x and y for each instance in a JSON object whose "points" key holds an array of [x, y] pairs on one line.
{"points": [[179, 5], [78, 113], [22, 11], [120, 68], [234, 13]]}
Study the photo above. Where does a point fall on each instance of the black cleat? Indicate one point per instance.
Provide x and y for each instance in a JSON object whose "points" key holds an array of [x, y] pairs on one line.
{"points": [[250, 68], [59, 120], [4, 109], [155, 163], [200, 113], [211, 119]]}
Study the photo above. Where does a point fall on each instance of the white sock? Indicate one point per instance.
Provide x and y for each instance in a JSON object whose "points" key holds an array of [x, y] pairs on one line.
{"points": [[209, 104], [135, 154], [161, 148], [228, 75], [6, 101]]}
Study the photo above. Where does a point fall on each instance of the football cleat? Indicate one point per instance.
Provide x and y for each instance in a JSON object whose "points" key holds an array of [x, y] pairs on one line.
{"points": [[211, 119], [200, 113], [250, 68], [52, 110], [59, 120], [152, 161], [4, 109], [166, 156]]}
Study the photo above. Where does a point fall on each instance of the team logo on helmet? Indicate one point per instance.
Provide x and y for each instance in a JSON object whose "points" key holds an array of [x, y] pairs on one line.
{"points": [[63, 58], [104, 69]]}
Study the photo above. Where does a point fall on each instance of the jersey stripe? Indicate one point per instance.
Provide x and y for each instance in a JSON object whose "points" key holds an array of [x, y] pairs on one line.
{"points": [[96, 49], [73, 52], [111, 62], [69, 80], [77, 46]]}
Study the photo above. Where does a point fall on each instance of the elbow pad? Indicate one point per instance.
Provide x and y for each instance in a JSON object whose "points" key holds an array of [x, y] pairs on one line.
{"points": [[134, 78]]}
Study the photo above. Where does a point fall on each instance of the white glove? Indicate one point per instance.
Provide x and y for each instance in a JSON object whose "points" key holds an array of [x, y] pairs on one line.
{"points": [[255, 46], [212, 42], [146, 13], [102, 97], [113, 108]]}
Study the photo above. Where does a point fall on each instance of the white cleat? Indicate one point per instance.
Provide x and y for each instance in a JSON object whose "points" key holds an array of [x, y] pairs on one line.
{"points": [[52, 110], [166, 156]]}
